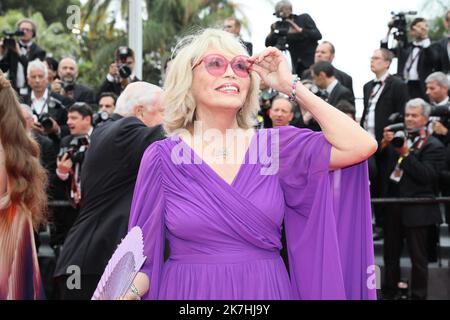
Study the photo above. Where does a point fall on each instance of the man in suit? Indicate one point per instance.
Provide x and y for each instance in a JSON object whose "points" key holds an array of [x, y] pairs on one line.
{"points": [[69, 163], [330, 89], [415, 59], [383, 96], [108, 178], [299, 32], [121, 72], [49, 108], [15, 60], [441, 50], [233, 26], [414, 164], [68, 73], [326, 52], [281, 111]]}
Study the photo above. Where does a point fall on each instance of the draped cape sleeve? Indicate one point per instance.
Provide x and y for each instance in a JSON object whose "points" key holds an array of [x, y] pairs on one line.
{"points": [[327, 220], [147, 212]]}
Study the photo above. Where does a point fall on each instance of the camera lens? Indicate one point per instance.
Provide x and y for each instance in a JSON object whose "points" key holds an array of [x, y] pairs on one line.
{"points": [[47, 123], [124, 71]]}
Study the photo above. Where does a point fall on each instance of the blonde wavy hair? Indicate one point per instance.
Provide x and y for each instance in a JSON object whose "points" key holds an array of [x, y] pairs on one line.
{"points": [[177, 98], [27, 177]]}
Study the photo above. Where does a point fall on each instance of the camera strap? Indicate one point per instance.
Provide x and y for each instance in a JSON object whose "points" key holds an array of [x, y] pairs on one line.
{"points": [[419, 141], [417, 144], [412, 59], [75, 190]]}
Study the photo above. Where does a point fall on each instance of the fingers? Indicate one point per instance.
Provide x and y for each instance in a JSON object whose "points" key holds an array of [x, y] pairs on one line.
{"points": [[258, 69], [268, 52]]}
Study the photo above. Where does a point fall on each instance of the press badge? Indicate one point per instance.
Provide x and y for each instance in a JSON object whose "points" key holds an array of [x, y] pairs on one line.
{"points": [[397, 174]]}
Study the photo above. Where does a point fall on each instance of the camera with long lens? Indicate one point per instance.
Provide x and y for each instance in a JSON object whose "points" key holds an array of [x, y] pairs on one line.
{"points": [[9, 42], [100, 118], [124, 69], [398, 22], [76, 149]]}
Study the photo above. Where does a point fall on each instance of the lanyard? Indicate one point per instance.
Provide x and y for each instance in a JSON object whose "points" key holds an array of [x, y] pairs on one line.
{"points": [[413, 60]]}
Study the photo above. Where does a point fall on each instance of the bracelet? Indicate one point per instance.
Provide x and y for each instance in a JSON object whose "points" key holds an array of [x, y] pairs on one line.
{"points": [[134, 290], [294, 89]]}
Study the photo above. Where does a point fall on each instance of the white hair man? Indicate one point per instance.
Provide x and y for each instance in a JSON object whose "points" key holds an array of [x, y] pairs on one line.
{"points": [[49, 107], [109, 174]]}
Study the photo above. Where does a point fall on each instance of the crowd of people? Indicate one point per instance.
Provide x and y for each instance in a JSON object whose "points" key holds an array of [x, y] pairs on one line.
{"points": [[93, 144]]}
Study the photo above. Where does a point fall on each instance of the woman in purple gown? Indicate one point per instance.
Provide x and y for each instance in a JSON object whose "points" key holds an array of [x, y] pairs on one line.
{"points": [[219, 191]]}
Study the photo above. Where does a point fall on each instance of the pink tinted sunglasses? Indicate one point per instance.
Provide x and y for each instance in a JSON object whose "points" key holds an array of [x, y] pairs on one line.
{"points": [[217, 65]]}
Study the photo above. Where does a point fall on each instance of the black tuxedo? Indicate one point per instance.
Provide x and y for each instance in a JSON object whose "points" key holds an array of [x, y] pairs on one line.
{"points": [[83, 94], [440, 54], [422, 169], [342, 77], [248, 46], [108, 177], [420, 179], [339, 93], [425, 66], [393, 99], [57, 109], [302, 46], [12, 59], [114, 87], [345, 79]]}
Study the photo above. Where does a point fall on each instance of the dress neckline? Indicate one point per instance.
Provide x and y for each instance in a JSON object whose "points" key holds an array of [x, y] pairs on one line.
{"points": [[208, 167]]}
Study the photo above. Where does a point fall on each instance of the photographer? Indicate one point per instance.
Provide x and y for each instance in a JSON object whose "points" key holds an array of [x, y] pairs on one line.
{"points": [[415, 59], [15, 55], [121, 72], [66, 84], [415, 160], [296, 33], [108, 179], [68, 171], [48, 107], [437, 91], [106, 107]]}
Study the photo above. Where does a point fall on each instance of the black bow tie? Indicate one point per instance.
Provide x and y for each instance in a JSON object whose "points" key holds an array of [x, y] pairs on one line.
{"points": [[377, 82], [23, 45]]}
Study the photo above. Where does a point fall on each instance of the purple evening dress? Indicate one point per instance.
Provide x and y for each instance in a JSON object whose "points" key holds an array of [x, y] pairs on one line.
{"points": [[225, 239]]}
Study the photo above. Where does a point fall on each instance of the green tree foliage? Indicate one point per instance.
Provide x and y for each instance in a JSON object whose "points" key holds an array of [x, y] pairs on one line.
{"points": [[52, 11], [434, 11]]}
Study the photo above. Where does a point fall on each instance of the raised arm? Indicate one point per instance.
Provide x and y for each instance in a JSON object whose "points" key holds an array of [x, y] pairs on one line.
{"points": [[350, 143]]}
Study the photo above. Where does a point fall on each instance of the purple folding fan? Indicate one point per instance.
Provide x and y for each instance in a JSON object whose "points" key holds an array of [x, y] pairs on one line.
{"points": [[122, 268]]}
